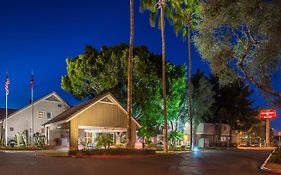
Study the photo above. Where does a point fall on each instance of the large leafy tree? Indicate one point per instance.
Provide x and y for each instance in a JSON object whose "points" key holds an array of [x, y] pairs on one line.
{"points": [[186, 14], [154, 6], [242, 39], [233, 105], [176, 86], [94, 72]]}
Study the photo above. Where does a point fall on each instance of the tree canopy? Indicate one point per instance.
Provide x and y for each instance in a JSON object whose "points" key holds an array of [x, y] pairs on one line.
{"points": [[94, 72], [233, 105], [242, 39]]}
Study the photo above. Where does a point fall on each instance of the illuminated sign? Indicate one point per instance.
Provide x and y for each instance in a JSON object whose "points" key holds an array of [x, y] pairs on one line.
{"points": [[268, 113]]}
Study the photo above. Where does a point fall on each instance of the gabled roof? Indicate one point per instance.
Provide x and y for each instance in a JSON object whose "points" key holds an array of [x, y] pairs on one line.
{"points": [[3, 112], [35, 102], [74, 111]]}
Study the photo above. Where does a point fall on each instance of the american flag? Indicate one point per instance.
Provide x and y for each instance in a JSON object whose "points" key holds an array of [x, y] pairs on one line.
{"points": [[7, 84], [32, 81]]}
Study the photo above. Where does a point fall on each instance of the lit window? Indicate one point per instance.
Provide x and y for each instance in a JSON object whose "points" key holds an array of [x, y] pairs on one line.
{"points": [[40, 114], [49, 115]]}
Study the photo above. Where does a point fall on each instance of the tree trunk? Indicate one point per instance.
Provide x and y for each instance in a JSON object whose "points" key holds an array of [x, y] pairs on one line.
{"points": [[165, 130], [190, 84], [230, 137], [129, 96], [219, 135]]}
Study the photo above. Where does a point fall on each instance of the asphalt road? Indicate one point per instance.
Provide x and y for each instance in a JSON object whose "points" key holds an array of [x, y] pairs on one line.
{"points": [[213, 162]]}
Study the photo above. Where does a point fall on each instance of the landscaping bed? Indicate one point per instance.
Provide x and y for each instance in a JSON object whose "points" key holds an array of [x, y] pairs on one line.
{"points": [[275, 158], [274, 163], [115, 151], [22, 148]]}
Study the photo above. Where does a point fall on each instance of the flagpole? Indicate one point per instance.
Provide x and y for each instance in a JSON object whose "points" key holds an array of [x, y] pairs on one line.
{"points": [[32, 108], [6, 121], [32, 116]]}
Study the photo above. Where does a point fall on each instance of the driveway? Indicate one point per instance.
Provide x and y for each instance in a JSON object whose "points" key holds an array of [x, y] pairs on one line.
{"points": [[212, 162]]}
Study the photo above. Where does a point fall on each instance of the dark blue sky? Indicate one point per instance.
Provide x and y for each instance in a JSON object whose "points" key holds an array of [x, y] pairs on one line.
{"points": [[40, 35]]}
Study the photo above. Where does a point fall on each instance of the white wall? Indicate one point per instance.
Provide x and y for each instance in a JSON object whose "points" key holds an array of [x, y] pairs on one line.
{"points": [[21, 120], [202, 128]]}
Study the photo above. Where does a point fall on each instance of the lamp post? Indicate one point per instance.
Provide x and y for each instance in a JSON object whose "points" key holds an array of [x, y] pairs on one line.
{"points": [[279, 144]]}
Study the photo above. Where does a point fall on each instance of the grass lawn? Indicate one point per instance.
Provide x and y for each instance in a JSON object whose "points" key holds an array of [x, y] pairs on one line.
{"points": [[171, 152], [55, 154]]}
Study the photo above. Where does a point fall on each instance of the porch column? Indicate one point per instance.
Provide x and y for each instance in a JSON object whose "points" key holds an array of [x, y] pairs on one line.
{"points": [[118, 137], [73, 134], [46, 130]]}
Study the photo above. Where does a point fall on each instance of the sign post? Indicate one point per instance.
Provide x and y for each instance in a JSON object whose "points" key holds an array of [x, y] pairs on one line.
{"points": [[267, 114], [279, 144]]}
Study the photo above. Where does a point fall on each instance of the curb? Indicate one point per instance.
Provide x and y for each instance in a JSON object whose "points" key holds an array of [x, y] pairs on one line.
{"points": [[268, 169]]}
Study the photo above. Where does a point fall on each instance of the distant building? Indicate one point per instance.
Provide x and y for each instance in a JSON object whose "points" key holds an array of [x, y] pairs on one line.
{"points": [[208, 134]]}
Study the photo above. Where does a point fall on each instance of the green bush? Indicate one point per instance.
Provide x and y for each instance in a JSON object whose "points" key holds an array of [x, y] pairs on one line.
{"points": [[116, 151], [174, 137], [38, 139], [104, 140]]}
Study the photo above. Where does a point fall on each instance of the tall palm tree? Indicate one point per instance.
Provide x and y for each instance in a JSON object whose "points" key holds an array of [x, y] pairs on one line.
{"points": [[186, 14], [129, 96], [153, 6]]}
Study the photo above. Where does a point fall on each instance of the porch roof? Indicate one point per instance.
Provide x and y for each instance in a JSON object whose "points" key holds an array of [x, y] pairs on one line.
{"points": [[71, 112]]}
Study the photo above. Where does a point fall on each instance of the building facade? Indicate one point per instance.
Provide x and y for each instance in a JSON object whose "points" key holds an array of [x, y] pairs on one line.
{"points": [[43, 110], [208, 134], [82, 123]]}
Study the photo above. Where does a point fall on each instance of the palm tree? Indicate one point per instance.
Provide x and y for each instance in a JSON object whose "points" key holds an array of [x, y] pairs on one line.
{"points": [[186, 14], [129, 96], [153, 6]]}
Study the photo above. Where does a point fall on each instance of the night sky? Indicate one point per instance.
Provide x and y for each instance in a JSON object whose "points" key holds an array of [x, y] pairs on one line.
{"points": [[40, 35]]}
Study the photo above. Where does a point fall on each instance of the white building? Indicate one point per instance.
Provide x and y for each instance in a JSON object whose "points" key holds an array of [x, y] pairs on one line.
{"points": [[44, 110]]}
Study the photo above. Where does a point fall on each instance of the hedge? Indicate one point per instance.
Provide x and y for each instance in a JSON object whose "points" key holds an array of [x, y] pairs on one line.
{"points": [[114, 151]]}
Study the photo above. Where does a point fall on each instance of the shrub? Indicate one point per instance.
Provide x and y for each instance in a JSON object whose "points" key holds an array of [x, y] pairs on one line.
{"points": [[175, 136], [38, 139], [116, 151], [12, 143], [104, 140]]}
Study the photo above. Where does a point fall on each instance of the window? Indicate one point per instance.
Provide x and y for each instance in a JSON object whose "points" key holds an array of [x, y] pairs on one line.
{"points": [[49, 115], [40, 114], [53, 98], [106, 100], [59, 105], [11, 128]]}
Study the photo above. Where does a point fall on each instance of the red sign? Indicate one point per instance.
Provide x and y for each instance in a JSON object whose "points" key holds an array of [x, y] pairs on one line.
{"points": [[268, 113], [279, 133]]}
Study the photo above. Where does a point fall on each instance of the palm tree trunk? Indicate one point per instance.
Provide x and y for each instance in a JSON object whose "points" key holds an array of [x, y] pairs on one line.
{"points": [[190, 84], [129, 96], [165, 130]]}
